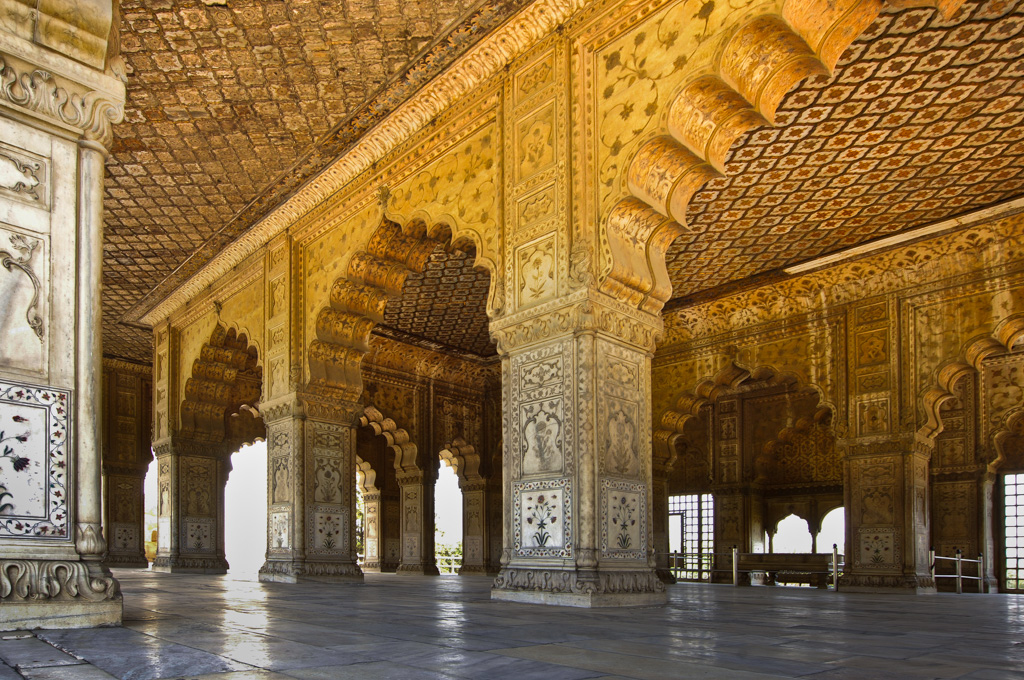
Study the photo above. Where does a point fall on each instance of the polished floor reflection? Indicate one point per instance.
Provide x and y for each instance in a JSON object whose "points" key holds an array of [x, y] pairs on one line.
{"points": [[220, 628]]}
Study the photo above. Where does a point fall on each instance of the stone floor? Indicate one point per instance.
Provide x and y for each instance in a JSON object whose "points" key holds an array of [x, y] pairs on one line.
{"points": [[224, 628]]}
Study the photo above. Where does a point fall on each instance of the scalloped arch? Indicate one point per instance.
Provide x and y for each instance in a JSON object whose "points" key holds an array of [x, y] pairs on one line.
{"points": [[670, 425], [226, 378], [758, 60], [397, 438], [1007, 335]]}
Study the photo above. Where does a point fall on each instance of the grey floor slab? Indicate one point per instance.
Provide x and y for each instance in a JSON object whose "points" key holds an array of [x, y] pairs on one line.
{"points": [[197, 627]]}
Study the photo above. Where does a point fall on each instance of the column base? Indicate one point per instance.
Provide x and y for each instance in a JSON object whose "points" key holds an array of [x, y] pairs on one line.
{"points": [[278, 571], [125, 562], [665, 576], [472, 569], [419, 569], [190, 565], [886, 583], [60, 614], [572, 589], [58, 594]]}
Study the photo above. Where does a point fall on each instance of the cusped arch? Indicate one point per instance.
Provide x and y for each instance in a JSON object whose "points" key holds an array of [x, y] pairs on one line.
{"points": [[1007, 335], [756, 61], [366, 477], [463, 458], [670, 425], [397, 438], [224, 390], [1008, 444], [358, 300]]}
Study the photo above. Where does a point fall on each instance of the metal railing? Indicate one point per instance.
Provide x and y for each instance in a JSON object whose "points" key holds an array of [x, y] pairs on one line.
{"points": [[959, 574], [449, 565], [681, 564]]}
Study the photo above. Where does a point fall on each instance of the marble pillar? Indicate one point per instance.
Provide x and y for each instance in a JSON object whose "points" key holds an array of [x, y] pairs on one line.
{"points": [[191, 478], [577, 464], [311, 451], [416, 493], [127, 453], [52, 543], [888, 529]]}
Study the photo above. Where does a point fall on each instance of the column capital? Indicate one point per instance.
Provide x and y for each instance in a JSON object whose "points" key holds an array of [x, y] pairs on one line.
{"points": [[331, 405], [586, 309]]}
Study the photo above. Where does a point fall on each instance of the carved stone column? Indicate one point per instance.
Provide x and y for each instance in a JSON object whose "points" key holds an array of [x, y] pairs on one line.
{"points": [[372, 543], [191, 478], [474, 525], [127, 402], [417, 520], [888, 533], [56, 109], [311, 456], [577, 465], [285, 420]]}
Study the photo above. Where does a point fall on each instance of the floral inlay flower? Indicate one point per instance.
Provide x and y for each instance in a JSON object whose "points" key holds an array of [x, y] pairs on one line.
{"points": [[541, 516], [623, 519], [18, 462]]}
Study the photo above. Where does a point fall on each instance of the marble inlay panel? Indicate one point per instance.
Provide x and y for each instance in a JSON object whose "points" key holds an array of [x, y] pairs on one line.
{"points": [[34, 461]]}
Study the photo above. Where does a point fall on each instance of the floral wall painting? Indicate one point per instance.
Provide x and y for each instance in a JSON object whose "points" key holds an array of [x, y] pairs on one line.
{"points": [[536, 265], [624, 534], [34, 461], [542, 441], [544, 523], [621, 457]]}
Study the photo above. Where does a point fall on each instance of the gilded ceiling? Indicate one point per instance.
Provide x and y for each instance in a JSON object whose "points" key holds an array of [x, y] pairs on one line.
{"points": [[231, 109], [921, 122], [232, 104]]}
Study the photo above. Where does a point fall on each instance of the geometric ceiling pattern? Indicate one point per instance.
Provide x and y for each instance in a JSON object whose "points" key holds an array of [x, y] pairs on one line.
{"points": [[446, 305], [922, 122], [232, 105]]}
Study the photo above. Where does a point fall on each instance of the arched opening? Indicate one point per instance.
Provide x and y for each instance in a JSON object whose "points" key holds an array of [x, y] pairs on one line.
{"points": [[447, 519], [218, 417], [245, 511], [791, 535], [150, 502], [832, 532]]}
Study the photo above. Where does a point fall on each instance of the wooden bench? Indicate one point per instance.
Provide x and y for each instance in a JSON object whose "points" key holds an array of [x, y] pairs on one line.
{"points": [[810, 568]]}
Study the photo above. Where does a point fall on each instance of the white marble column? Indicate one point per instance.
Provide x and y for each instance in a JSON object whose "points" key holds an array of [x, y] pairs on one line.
{"points": [[51, 233], [577, 464]]}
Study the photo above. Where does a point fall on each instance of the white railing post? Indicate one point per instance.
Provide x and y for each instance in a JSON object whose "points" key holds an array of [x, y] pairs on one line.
{"points": [[981, 572], [835, 567], [735, 568], [931, 564], [959, 573]]}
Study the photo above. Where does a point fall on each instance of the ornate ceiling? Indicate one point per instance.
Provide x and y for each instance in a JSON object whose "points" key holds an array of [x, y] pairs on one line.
{"points": [[231, 109], [232, 105], [922, 121]]}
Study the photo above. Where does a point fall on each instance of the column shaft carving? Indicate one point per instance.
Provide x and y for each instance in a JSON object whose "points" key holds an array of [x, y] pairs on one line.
{"points": [[127, 422], [577, 465], [312, 479], [191, 476], [889, 533]]}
